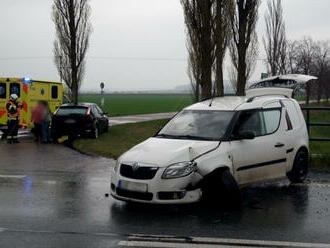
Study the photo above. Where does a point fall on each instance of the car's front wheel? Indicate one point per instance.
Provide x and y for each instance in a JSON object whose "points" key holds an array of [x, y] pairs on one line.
{"points": [[299, 169], [95, 132], [221, 188]]}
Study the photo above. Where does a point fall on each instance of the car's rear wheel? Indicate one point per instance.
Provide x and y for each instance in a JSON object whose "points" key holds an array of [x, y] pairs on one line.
{"points": [[299, 169], [4, 134], [221, 188]]}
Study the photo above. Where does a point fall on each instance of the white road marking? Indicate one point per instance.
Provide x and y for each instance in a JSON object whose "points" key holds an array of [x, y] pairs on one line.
{"points": [[13, 176], [175, 245], [2, 229], [262, 242], [171, 241]]}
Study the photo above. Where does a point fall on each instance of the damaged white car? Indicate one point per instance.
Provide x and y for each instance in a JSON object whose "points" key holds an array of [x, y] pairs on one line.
{"points": [[214, 147]]}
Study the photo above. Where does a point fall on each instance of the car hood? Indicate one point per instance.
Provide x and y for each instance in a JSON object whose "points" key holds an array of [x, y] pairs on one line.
{"points": [[162, 152]]}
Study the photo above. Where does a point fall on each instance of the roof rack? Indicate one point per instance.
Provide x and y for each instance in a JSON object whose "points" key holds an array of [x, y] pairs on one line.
{"points": [[254, 97]]}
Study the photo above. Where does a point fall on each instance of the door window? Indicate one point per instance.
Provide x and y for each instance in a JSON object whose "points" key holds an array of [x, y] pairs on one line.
{"points": [[250, 121], [260, 122], [272, 120], [15, 88], [99, 110], [54, 92], [3, 90], [96, 112]]}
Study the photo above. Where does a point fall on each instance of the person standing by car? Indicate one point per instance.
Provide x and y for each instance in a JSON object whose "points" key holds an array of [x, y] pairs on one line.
{"points": [[45, 126], [37, 120], [13, 108]]}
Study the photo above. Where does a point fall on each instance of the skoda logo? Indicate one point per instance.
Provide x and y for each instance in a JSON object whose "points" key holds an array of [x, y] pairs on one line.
{"points": [[135, 166]]}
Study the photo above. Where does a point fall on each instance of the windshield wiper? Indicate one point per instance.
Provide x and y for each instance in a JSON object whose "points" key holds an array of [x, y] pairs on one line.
{"points": [[192, 137], [165, 135]]}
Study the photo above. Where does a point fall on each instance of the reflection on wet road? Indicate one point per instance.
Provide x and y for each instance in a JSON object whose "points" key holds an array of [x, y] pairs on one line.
{"points": [[51, 196]]}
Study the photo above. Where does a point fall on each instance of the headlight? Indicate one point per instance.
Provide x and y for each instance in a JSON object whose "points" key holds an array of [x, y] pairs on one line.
{"points": [[179, 170], [116, 166]]}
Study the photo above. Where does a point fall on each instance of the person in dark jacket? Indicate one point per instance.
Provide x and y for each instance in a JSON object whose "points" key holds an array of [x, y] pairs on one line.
{"points": [[45, 126]]}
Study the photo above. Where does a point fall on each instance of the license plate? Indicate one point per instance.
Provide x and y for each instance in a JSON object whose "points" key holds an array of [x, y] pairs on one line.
{"points": [[70, 121], [132, 186]]}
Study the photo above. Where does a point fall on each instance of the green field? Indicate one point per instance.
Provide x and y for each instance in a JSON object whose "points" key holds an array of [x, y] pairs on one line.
{"points": [[130, 104]]}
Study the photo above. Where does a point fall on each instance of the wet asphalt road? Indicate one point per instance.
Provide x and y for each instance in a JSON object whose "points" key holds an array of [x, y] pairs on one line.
{"points": [[52, 196]]}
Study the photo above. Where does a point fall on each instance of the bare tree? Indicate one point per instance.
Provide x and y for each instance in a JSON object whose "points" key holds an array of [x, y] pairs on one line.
{"points": [[321, 66], [291, 61], [223, 14], [194, 73], [326, 85], [250, 60], [199, 22], [73, 28], [305, 55], [275, 41], [243, 30]]}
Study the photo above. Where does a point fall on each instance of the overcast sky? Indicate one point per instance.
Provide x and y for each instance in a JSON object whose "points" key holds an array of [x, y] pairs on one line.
{"points": [[124, 30]]}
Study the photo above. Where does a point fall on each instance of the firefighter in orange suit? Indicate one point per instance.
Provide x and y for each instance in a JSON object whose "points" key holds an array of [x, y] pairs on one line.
{"points": [[13, 109]]}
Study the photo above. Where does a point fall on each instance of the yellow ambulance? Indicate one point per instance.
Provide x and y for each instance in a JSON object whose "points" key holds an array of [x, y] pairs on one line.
{"points": [[29, 91]]}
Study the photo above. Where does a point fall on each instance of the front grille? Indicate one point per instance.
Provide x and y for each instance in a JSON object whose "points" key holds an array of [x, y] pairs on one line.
{"points": [[146, 196], [142, 173]]}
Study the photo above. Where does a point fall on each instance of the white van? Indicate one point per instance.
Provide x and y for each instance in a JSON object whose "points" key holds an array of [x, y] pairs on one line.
{"points": [[214, 147]]}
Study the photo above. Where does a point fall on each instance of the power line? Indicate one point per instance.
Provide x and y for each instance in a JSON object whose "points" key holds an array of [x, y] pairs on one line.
{"points": [[98, 57], [140, 58]]}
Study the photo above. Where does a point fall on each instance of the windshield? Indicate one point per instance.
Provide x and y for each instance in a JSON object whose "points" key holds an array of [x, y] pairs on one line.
{"points": [[198, 124], [72, 110]]}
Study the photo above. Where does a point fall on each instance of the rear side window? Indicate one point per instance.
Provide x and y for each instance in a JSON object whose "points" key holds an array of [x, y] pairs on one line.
{"points": [[71, 111], [288, 121], [3, 90], [292, 113], [54, 92], [15, 88]]}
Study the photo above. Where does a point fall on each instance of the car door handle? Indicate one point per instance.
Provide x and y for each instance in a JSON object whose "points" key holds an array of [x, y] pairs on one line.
{"points": [[279, 145]]}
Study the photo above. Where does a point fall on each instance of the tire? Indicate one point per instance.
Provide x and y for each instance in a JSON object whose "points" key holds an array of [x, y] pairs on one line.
{"points": [[4, 134], [299, 169], [95, 133], [221, 188]]}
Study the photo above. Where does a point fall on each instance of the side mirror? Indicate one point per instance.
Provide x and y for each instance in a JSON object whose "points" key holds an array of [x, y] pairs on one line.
{"points": [[246, 135]]}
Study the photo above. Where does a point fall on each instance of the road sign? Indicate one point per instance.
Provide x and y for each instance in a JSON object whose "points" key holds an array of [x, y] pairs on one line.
{"points": [[102, 93], [264, 75]]}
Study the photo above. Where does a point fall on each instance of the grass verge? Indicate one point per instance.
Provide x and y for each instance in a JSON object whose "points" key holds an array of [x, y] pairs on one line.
{"points": [[320, 150], [119, 139]]}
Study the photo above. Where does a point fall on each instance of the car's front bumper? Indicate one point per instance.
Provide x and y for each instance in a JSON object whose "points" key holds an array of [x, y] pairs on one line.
{"points": [[159, 191]]}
